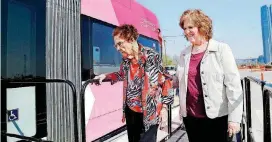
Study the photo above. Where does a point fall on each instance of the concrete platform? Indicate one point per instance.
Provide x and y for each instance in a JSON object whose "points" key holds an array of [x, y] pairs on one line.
{"points": [[161, 135]]}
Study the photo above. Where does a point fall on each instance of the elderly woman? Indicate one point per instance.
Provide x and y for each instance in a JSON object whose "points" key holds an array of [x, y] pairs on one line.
{"points": [[145, 87], [209, 83]]}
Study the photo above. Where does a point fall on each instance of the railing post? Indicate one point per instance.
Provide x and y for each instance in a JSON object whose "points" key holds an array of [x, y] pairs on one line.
{"points": [[82, 109], [248, 108], [170, 120], [242, 132], [266, 115]]}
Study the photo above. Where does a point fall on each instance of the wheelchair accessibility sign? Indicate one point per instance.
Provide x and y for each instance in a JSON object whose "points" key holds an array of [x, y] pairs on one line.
{"points": [[13, 115]]}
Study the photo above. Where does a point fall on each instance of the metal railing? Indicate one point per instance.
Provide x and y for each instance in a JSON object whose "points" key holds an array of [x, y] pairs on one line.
{"points": [[118, 130], [247, 128], [247, 117], [23, 137], [44, 81], [82, 106]]}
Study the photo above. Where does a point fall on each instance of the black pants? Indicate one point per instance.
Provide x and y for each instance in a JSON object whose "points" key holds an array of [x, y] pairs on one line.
{"points": [[206, 130], [135, 128]]}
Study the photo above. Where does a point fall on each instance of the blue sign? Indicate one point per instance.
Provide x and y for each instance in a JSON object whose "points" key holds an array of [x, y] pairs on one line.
{"points": [[13, 115]]}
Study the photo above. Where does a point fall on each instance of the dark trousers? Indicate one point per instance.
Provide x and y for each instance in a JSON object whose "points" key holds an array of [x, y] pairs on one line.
{"points": [[135, 128], [206, 130]]}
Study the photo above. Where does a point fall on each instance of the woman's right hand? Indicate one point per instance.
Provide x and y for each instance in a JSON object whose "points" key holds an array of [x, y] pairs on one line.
{"points": [[100, 77], [123, 118]]}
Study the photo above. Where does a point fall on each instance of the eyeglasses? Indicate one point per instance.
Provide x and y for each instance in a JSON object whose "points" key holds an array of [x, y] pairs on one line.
{"points": [[118, 44]]}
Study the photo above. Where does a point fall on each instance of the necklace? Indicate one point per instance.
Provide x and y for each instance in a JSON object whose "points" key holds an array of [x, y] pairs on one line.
{"points": [[198, 49]]}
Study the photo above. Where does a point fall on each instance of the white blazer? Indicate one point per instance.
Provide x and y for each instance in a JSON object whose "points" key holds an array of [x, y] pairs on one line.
{"points": [[222, 89]]}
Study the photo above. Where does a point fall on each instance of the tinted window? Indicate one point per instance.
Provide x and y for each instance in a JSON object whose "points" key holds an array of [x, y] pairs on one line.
{"points": [[86, 49], [105, 57], [24, 51], [149, 43], [98, 48]]}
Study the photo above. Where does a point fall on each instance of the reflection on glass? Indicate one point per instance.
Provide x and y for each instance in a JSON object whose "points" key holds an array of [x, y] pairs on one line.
{"points": [[20, 58], [98, 52], [20, 41], [86, 51], [108, 57], [149, 43]]}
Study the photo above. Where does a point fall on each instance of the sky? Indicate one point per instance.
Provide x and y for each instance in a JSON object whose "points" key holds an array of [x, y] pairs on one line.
{"points": [[235, 22]]}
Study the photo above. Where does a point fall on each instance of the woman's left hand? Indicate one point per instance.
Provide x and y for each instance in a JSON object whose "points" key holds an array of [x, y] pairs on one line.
{"points": [[233, 128]]}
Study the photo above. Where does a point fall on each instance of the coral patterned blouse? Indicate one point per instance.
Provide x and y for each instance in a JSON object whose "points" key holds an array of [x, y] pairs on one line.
{"points": [[145, 85]]}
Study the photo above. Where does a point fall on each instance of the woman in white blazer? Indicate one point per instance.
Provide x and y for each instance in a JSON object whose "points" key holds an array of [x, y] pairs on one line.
{"points": [[211, 97]]}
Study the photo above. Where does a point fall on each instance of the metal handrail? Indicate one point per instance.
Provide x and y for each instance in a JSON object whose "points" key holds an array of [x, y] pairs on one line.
{"points": [[23, 137], [82, 107], [82, 104], [256, 80], [169, 120], [268, 87], [266, 108]]}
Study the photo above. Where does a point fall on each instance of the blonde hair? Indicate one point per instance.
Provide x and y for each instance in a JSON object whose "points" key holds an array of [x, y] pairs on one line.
{"points": [[200, 20]]}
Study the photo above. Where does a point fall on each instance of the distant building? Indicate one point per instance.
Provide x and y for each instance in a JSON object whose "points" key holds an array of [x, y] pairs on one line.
{"points": [[266, 22], [261, 59], [246, 61]]}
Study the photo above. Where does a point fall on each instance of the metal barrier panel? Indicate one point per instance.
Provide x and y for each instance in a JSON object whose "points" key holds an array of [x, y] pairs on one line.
{"points": [[258, 97], [256, 110], [15, 108]]}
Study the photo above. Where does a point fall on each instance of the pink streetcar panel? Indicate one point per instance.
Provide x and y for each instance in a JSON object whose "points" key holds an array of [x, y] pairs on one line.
{"points": [[118, 12], [107, 110], [105, 113]]}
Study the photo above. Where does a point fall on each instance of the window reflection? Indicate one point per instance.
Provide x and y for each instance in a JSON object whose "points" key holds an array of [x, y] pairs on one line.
{"points": [[23, 50], [145, 41], [86, 50], [21, 53], [98, 52], [105, 57]]}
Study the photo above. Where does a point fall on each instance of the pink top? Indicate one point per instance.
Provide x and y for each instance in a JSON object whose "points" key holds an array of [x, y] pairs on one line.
{"points": [[195, 102]]}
